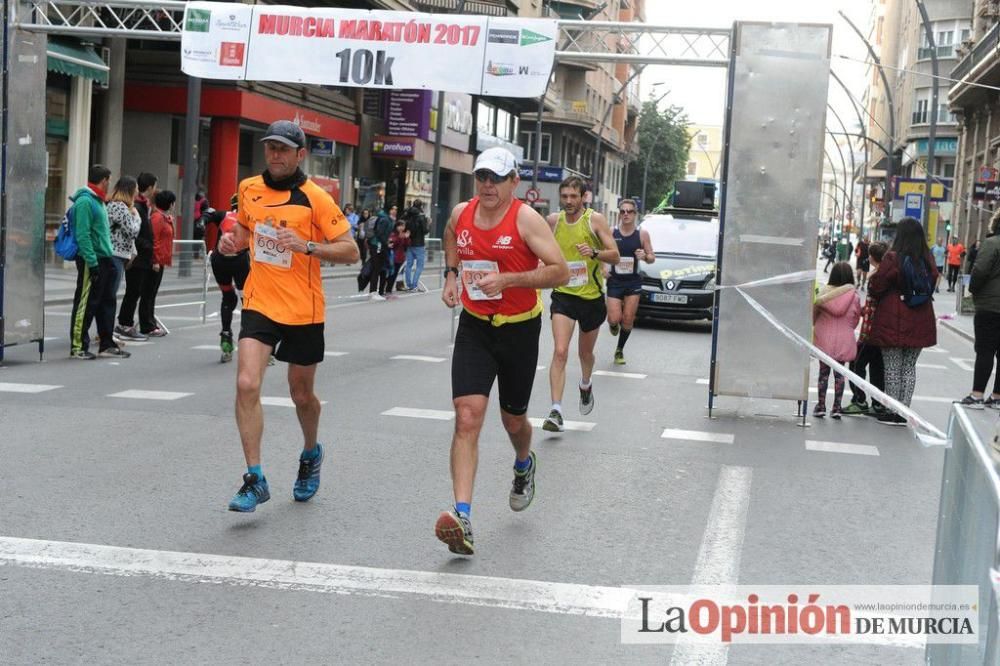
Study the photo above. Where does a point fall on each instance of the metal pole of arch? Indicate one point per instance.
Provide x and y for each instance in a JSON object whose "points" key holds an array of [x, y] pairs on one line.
{"points": [[892, 114], [932, 130], [843, 167], [189, 184], [438, 134], [864, 147], [850, 189]]}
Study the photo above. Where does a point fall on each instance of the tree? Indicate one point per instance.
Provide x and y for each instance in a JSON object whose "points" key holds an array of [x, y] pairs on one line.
{"points": [[665, 135]]}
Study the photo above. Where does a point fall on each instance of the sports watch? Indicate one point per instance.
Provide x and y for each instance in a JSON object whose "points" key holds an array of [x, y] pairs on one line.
{"points": [[450, 269], [310, 247]]}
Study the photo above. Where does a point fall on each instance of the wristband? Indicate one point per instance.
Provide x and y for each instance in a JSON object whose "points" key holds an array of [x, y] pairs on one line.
{"points": [[450, 269]]}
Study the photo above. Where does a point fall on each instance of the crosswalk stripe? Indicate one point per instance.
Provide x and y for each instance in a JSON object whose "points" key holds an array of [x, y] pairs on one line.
{"points": [[136, 394], [335, 353], [580, 426], [922, 398], [207, 347], [932, 366], [841, 447], [412, 412], [412, 357], [698, 436], [9, 387], [278, 401], [624, 375]]}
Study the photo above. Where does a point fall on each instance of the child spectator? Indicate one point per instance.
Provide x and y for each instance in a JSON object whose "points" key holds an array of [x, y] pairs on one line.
{"points": [[869, 357], [835, 314], [399, 241]]}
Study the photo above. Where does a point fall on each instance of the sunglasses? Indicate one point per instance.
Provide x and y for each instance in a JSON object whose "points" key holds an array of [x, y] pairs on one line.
{"points": [[627, 211], [484, 175]]}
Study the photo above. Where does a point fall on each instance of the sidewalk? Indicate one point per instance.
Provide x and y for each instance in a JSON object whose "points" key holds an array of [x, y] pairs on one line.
{"points": [[60, 283]]}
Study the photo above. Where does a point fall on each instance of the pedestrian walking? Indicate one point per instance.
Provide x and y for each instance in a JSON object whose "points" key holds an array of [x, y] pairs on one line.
{"points": [[835, 314], [939, 252], [904, 320], [624, 279], [956, 252], [498, 243], [984, 284], [284, 305], [585, 241], [418, 226]]}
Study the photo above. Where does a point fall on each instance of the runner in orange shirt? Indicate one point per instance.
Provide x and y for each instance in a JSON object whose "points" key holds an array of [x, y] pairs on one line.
{"points": [[289, 225], [956, 251]]}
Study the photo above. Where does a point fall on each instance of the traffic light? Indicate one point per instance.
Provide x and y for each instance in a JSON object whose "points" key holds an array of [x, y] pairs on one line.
{"points": [[947, 227]]}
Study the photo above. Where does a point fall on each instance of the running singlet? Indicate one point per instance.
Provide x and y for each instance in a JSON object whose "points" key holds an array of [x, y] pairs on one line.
{"points": [[285, 286], [500, 249], [627, 268], [586, 279]]}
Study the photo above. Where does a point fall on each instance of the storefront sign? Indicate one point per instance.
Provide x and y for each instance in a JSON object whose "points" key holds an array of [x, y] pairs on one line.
{"points": [[989, 190], [500, 56], [393, 146], [408, 113], [944, 146], [321, 147], [906, 186], [547, 174]]}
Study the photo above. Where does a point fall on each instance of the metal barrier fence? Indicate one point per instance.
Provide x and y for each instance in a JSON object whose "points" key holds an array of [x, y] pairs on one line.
{"points": [[968, 532], [190, 267]]}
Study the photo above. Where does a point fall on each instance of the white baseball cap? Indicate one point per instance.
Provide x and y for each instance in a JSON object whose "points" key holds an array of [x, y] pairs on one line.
{"points": [[498, 160]]}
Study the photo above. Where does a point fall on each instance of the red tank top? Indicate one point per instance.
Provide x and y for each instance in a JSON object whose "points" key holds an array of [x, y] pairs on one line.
{"points": [[501, 244]]}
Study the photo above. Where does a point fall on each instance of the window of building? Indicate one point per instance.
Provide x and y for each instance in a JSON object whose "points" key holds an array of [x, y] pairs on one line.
{"points": [[702, 139], [528, 143], [945, 33], [692, 169], [949, 170], [921, 109], [486, 118]]}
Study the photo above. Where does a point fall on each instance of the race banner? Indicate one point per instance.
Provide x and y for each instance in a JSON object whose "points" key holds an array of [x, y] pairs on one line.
{"points": [[479, 55]]}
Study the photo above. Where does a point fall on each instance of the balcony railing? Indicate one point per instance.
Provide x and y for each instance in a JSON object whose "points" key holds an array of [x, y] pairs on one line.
{"points": [[984, 48]]}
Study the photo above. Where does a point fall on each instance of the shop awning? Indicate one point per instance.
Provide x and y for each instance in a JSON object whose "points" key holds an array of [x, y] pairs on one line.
{"points": [[72, 58]]}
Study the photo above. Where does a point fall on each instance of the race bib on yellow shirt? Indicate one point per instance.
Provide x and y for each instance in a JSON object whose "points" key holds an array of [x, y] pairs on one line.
{"points": [[625, 265], [578, 275], [472, 272], [266, 251]]}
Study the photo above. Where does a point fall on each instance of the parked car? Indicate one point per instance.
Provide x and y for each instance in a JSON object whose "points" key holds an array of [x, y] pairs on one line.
{"points": [[680, 284]]}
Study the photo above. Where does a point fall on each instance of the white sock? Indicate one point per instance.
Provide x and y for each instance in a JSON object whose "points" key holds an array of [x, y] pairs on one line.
{"points": [[584, 386], [557, 406]]}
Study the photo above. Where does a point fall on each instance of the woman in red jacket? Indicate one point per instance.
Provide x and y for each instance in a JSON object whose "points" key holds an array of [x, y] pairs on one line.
{"points": [[900, 329], [163, 250]]}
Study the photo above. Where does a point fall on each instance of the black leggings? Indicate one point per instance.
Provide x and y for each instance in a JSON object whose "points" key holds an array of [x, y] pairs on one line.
{"points": [[987, 330], [952, 276]]}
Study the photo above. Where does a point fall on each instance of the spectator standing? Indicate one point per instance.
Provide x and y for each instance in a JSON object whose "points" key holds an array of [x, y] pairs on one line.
{"points": [[138, 276], [985, 287], [163, 255], [939, 253], [417, 227], [361, 233], [956, 251], [869, 358], [399, 241], [970, 256], [863, 263], [835, 314], [378, 246], [902, 330], [95, 270], [124, 222]]}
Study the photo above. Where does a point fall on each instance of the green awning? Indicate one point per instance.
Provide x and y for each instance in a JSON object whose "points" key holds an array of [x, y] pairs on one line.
{"points": [[72, 58]]}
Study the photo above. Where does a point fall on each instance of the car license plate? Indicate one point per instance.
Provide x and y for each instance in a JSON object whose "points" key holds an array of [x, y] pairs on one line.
{"points": [[675, 299]]}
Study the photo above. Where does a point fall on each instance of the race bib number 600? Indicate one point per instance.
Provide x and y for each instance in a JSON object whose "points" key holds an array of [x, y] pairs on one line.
{"points": [[266, 250]]}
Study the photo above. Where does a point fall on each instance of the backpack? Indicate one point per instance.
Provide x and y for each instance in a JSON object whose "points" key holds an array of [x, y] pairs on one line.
{"points": [[917, 283], [65, 243]]}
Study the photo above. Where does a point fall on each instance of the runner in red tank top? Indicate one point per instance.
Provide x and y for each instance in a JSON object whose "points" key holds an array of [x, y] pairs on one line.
{"points": [[495, 244]]}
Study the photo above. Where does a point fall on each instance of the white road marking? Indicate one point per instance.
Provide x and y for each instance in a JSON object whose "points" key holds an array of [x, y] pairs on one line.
{"points": [[135, 343], [932, 366], [719, 556], [207, 347], [287, 575], [936, 350], [335, 353], [624, 375], [136, 394], [8, 387], [539, 367], [698, 436], [581, 426], [277, 401], [841, 447], [412, 412], [932, 398], [179, 305], [967, 364], [702, 380], [411, 357], [50, 339]]}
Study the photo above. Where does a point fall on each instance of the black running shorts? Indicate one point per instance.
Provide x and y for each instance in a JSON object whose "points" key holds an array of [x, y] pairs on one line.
{"points": [[298, 345], [619, 289], [590, 313], [229, 270], [484, 352]]}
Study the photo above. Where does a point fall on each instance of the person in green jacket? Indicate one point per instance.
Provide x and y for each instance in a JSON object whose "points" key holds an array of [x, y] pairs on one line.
{"points": [[984, 285], [94, 297]]}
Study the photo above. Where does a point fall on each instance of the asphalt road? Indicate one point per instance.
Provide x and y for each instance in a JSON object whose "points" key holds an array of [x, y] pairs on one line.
{"points": [[617, 503]]}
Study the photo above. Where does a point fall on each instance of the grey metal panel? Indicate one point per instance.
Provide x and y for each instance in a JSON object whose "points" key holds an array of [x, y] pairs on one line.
{"points": [[24, 271], [777, 112]]}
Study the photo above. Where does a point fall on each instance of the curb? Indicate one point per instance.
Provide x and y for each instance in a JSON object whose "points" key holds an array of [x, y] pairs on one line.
{"points": [[955, 329], [180, 291]]}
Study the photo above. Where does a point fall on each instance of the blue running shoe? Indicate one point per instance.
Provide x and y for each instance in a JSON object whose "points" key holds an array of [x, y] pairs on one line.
{"points": [[253, 492], [308, 482]]}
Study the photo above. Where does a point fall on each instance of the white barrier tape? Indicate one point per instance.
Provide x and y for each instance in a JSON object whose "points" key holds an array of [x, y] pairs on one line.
{"points": [[784, 278], [926, 433]]}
